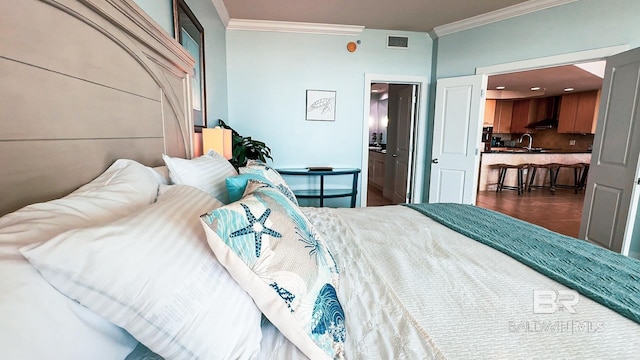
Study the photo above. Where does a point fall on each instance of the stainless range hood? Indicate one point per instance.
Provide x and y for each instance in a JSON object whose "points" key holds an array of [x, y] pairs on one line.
{"points": [[544, 124], [550, 120]]}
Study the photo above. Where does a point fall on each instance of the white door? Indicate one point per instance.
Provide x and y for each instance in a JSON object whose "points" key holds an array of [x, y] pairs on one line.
{"points": [[400, 142], [612, 189], [455, 156]]}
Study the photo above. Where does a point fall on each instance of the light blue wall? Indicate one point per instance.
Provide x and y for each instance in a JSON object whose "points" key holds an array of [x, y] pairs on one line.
{"points": [[215, 49], [215, 58], [269, 73], [161, 11], [577, 26]]}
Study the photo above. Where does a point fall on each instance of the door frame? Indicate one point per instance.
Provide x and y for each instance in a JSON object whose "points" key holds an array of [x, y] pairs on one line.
{"points": [[420, 129], [550, 61]]}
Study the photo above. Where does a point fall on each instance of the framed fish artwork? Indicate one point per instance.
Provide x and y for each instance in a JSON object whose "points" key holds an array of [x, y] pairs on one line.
{"points": [[321, 105]]}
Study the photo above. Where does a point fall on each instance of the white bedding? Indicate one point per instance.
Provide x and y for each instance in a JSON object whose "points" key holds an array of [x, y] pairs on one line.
{"points": [[410, 288], [415, 289], [38, 321]]}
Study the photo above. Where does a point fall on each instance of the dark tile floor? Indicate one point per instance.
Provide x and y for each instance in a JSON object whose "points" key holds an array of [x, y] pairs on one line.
{"points": [[561, 212]]}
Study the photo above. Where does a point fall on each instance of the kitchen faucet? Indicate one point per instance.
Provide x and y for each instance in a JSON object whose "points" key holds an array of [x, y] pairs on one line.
{"points": [[530, 140]]}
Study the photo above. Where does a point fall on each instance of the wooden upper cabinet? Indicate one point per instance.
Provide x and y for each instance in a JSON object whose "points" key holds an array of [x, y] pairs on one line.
{"points": [[587, 115], [578, 112], [489, 112], [524, 112], [503, 116], [567, 113]]}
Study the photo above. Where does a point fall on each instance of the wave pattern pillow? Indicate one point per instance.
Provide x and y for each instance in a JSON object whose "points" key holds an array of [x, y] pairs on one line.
{"points": [[153, 274], [259, 168], [278, 257]]}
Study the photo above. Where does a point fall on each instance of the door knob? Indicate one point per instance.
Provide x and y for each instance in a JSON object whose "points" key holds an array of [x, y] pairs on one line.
{"points": [[394, 155], [435, 161]]}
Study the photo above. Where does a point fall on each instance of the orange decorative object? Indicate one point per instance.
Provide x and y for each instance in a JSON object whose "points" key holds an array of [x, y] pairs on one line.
{"points": [[351, 46], [218, 140]]}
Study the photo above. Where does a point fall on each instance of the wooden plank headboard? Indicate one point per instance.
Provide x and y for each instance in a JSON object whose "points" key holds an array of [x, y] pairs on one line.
{"points": [[85, 82]]}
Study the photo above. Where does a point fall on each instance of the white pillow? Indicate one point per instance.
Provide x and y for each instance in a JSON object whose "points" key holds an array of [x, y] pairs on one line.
{"points": [[207, 173], [161, 174], [38, 322], [153, 274]]}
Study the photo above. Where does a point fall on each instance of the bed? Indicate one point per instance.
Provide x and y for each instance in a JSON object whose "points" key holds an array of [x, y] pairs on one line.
{"points": [[119, 241]]}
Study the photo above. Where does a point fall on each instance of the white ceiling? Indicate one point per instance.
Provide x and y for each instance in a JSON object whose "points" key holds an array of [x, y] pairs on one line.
{"points": [[552, 81], [407, 15]]}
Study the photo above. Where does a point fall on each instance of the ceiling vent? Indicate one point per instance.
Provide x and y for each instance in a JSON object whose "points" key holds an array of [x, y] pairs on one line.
{"points": [[397, 42]]}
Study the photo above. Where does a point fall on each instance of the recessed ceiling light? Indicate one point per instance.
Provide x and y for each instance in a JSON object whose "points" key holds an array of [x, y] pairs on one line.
{"points": [[500, 87], [569, 89], [535, 88]]}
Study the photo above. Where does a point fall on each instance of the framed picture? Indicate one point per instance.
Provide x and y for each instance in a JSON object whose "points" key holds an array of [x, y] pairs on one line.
{"points": [[321, 105], [190, 33]]}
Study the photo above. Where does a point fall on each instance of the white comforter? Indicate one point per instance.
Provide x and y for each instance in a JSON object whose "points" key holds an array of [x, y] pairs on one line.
{"points": [[414, 289]]}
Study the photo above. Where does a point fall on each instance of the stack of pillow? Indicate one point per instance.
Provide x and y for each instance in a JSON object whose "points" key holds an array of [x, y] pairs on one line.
{"points": [[151, 271]]}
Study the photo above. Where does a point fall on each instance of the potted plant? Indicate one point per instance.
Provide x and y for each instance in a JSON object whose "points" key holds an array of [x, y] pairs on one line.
{"points": [[246, 148]]}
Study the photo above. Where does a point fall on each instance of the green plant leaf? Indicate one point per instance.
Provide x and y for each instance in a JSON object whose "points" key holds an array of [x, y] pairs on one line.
{"points": [[245, 148]]}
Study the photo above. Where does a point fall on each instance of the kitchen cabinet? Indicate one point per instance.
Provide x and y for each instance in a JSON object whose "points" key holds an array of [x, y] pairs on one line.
{"points": [[579, 112], [523, 114], [376, 169], [497, 113], [489, 112], [503, 115], [529, 111]]}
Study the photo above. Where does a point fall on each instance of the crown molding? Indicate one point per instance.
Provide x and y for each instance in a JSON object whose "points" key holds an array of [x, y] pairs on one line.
{"points": [[222, 12], [498, 15], [294, 27]]}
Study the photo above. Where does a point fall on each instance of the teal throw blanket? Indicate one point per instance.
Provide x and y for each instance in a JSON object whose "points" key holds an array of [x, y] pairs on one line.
{"points": [[606, 277]]}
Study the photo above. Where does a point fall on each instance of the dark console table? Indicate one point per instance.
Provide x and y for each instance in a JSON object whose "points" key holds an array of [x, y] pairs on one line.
{"points": [[323, 193]]}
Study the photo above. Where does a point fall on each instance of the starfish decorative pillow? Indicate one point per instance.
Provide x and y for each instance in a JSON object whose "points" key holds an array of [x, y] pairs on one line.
{"points": [[276, 255]]}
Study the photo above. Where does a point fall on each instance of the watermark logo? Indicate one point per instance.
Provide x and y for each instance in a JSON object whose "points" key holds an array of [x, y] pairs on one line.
{"points": [[556, 327], [551, 301]]}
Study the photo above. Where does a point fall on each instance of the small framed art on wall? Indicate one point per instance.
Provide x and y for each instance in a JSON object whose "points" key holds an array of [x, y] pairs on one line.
{"points": [[321, 105]]}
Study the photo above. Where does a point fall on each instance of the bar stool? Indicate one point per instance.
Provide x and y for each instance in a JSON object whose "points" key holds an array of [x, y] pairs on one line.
{"points": [[578, 170], [583, 177], [552, 171], [502, 172]]}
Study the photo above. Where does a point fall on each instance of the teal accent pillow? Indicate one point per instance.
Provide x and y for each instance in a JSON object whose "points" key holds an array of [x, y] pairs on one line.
{"points": [[237, 184], [276, 255]]}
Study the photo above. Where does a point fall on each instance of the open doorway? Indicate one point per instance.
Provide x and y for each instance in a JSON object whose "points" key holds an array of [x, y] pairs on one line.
{"points": [[562, 211], [558, 128], [447, 107], [395, 109], [392, 132]]}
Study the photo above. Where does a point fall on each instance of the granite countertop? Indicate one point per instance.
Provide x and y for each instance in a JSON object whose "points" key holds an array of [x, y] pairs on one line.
{"points": [[377, 149], [505, 150]]}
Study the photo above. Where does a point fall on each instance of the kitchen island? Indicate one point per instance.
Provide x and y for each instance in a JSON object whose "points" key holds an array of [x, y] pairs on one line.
{"points": [[489, 174]]}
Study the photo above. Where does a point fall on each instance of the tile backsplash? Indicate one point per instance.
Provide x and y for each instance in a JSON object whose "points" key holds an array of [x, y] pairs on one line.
{"points": [[550, 139]]}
